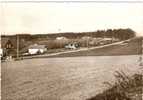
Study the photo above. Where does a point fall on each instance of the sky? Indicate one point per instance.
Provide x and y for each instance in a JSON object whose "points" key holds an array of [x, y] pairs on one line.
{"points": [[41, 18]]}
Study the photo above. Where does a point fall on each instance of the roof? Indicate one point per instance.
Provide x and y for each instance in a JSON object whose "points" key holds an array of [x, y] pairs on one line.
{"points": [[60, 38], [107, 38], [86, 37], [36, 46], [4, 41]]}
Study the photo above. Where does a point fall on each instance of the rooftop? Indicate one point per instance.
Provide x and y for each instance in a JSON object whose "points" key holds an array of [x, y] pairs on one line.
{"points": [[36, 46]]}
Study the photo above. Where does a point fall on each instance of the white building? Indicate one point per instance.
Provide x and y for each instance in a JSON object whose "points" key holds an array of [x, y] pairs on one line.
{"points": [[1, 52], [36, 49], [72, 46], [61, 38]]}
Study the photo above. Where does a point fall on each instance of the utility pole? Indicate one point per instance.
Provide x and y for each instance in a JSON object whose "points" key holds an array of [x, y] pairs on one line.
{"points": [[17, 46], [141, 55], [87, 42]]}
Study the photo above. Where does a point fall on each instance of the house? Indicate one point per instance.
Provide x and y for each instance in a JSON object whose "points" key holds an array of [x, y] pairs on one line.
{"points": [[8, 42], [8, 46], [1, 52], [115, 40], [37, 49], [72, 46], [87, 38], [61, 38], [95, 41], [105, 41]]}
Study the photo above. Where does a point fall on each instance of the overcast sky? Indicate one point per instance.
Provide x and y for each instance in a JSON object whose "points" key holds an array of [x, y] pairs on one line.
{"points": [[69, 17]]}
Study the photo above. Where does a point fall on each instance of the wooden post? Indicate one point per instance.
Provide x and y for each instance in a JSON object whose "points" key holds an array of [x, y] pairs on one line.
{"points": [[87, 42], [141, 55], [17, 47]]}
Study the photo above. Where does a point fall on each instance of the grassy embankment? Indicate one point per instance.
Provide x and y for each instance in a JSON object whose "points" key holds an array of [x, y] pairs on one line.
{"points": [[125, 88]]}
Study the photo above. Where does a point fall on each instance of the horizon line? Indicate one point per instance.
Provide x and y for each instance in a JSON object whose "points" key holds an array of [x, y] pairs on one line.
{"points": [[46, 33], [75, 1]]}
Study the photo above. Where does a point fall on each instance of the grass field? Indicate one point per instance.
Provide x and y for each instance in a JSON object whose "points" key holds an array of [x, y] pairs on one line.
{"points": [[70, 78]]}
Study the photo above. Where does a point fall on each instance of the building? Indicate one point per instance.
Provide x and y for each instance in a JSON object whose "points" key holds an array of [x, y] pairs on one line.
{"points": [[1, 52], [87, 38], [72, 46], [37, 49], [61, 38], [9, 45]]}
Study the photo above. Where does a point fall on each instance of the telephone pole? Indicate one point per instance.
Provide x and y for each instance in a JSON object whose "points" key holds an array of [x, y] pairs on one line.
{"points": [[141, 55], [17, 46]]}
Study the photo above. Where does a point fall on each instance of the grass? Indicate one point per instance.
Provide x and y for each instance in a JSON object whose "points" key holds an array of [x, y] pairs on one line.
{"points": [[125, 88], [74, 78]]}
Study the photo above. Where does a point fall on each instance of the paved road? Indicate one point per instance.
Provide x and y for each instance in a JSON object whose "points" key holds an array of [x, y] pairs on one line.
{"points": [[70, 78]]}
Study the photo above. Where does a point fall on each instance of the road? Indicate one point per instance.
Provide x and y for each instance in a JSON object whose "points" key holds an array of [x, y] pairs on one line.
{"points": [[69, 78]]}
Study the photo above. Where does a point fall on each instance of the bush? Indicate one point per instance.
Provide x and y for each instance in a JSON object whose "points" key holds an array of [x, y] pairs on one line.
{"points": [[125, 88]]}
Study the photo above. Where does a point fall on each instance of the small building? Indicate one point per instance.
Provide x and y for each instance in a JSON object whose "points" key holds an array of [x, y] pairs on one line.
{"points": [[37, 49], [72, 46], [115, 40], [61, 38], [105, 41], [1, 52], [86, 38], [9, 45]]}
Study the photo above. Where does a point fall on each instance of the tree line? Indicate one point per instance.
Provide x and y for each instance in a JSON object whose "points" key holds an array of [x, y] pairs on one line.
{"points": [[121, 34]]}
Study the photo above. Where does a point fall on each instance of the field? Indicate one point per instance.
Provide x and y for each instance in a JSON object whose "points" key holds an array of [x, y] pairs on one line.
{"points": [[68, 78]]}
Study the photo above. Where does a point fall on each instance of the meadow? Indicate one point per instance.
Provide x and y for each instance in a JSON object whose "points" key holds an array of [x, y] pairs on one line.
{"points": [[68, 78]]}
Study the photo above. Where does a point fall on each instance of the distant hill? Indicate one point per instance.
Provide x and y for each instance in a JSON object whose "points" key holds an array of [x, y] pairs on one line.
{"points": [[122, 34]]}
